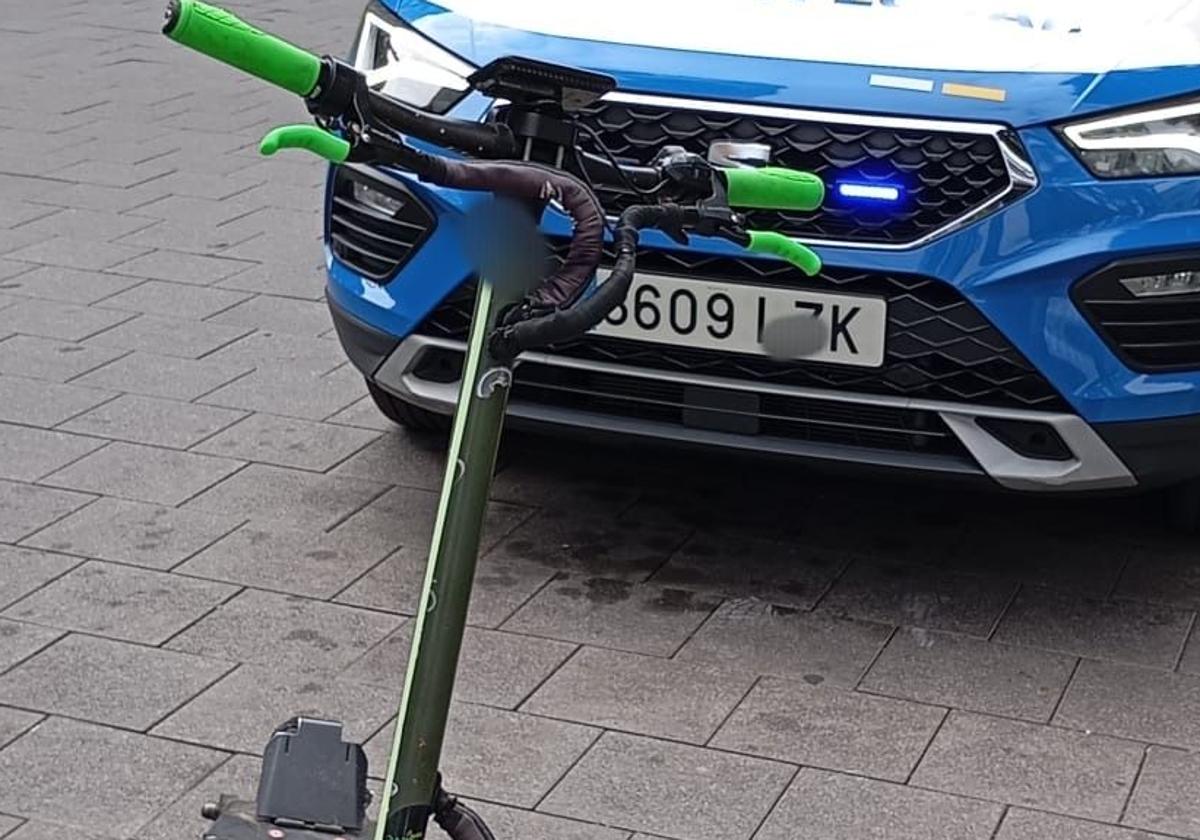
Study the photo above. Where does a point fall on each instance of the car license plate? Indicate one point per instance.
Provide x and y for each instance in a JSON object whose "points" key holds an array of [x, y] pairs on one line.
{"points": [[763, 320]]}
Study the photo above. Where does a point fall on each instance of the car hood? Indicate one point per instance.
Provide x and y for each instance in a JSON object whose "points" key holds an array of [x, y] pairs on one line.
{"points": [[1013, 61]]}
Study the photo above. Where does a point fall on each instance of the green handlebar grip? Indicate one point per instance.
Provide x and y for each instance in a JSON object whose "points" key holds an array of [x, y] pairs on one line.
{"points": [[221, 35], [770, 242], [774, 188], [308, 137]]}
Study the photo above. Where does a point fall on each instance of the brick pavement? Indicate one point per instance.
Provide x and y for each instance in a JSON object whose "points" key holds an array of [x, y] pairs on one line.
{"points": [[204, 527]]}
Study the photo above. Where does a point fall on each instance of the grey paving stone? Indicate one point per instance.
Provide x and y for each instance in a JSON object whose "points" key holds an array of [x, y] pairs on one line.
{"points": [[395, 458], [495, 669], [51, 774], [8, 824], [278, 314], [174, 300], [237, 776], [293, 353], [567, 482], [14, 212], [134, 605], [134, 532], [168, 336], [409, 514], [105, 681], [312, 501], [691, 792], [290, 393], [57, 361], [366, 415], [13, 724], [498, 755], [289, 442], [65, 284], [180, 235], [641, 694], [530, 825], [1168, 576], [285, 631], [1167, 796], [162, 376], [966, 673], [22, 571], [154, 421], [19, 640], [75, 253], [14, 241], [293, 560], [767, 639], [395, 585], [1131, 702], [919, 597], [95, 197], [57, 320], [734, 566], [28, 454], [1033, 825], [144, 473], [595, 546], [1123, 631], [25, 508], [35, 403], [614, 613], [831, 806], [241, 711], [302, 277], [91, 225], [111, 174], [182, 267], [1069, 773], [831, 728]]}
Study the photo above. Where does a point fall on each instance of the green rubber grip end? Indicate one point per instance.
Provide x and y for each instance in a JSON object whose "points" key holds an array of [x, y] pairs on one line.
{"points": [[770, 242], [308, 137], [223, 36], [774, 188]]}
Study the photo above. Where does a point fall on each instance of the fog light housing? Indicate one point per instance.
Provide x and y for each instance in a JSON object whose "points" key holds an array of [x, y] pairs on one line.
{"points": [[377, 200], [1028, 438], [1161, 285]]}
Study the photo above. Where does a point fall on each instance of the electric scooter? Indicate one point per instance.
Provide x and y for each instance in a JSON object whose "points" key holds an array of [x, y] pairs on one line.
{"points": [[313, 785]]}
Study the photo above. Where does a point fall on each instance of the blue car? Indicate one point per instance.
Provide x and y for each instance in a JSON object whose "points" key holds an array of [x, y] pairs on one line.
{"points": [[1011, 240]]}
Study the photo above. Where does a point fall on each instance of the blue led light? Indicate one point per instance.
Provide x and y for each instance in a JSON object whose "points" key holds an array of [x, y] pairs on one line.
{"points": [[869, 192]]}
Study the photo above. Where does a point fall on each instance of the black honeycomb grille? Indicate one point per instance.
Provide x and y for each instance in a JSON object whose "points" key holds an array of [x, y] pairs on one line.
{"points": [[946, 175], [939, 346]]}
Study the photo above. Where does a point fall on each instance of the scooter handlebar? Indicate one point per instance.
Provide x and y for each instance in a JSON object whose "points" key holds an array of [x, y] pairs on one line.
{"points": [[774, 188], [225, 37]]}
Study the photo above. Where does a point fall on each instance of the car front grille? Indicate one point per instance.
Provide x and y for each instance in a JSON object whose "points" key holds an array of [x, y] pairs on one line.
{"points": [[373, 239], [946, 174], [939, 346], [1148, 333]]}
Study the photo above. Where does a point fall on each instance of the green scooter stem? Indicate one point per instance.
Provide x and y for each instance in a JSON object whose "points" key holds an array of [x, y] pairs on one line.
{"points": [[412, 779]]}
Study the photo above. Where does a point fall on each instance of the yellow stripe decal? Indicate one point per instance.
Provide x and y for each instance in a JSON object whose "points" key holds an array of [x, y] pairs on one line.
{"points": [[974, 92]]}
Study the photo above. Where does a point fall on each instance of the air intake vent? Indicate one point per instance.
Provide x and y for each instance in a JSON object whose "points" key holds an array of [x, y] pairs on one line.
{"points": [[1153, 332], [375, 225]]}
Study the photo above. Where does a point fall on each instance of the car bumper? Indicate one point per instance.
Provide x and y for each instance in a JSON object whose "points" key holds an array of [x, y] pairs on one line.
{"points": [[1107, 456]]}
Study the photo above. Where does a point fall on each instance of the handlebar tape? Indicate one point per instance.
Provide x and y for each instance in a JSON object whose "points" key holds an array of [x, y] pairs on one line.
{"points": [[770, 242], [525, 327], [774, 188], [223, 36], [308, 137]]}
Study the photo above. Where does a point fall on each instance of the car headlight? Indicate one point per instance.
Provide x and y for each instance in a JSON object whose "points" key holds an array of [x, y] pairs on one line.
{"points": [[406, 65], [1140, 144]]}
